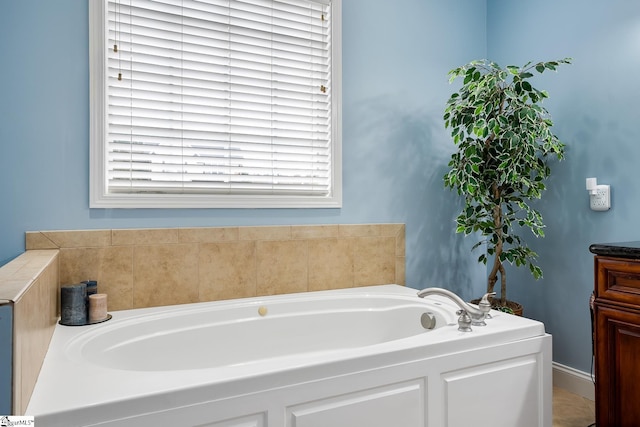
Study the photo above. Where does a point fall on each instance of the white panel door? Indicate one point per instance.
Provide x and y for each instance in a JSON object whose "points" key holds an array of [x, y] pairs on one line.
{"points": [[257, 420], [507, 393], [400, 404]]}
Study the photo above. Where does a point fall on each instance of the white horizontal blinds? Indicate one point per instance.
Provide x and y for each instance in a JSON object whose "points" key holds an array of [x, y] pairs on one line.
{"points": [[218, 96]]}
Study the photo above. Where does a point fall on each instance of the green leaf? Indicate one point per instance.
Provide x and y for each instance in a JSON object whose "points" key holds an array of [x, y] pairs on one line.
{"points": [[470, 151], [518, 88], [536, 271], [513, 69]]}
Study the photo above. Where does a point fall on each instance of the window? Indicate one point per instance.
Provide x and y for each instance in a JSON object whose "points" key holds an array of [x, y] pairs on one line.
{"points": [[215, 103]]}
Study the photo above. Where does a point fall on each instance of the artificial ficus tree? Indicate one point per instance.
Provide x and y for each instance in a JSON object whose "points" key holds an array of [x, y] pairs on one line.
{"points": [[504, 141]]}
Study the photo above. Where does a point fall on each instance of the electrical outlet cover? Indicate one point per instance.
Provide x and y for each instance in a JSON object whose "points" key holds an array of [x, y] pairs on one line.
{"points": [[601, 201]]}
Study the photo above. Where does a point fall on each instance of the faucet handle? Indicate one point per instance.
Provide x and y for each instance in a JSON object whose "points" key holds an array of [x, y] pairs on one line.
{"points": [[464, 321], [484, 305], [485, 297]]}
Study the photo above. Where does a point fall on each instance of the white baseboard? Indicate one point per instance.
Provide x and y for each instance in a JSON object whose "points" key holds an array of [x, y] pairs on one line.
{"points": [[573, 380]]}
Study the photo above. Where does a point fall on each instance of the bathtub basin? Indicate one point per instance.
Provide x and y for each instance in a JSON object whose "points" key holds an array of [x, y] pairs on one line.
{"points": [[251, 332], [339, 358]]}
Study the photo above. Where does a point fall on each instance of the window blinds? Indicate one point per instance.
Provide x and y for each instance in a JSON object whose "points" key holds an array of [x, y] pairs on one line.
{"points": [[219, 97]]}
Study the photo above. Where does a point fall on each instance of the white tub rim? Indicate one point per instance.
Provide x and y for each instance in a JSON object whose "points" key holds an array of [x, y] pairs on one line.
{"points": [[146, 385]]}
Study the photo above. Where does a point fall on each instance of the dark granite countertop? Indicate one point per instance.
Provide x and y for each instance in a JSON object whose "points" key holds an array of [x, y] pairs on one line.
{"points": [[621, 250]]}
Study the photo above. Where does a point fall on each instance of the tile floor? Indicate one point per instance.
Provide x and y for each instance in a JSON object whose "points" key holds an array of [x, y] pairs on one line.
{"points": [[572, 410]]}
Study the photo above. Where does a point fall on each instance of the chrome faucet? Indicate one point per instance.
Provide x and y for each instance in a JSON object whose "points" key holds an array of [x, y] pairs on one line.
{"points": [[477, 315]]}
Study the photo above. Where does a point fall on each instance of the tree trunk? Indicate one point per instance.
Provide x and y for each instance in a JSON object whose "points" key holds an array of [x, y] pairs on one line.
{"points": [[497, 264], [503, 286]]}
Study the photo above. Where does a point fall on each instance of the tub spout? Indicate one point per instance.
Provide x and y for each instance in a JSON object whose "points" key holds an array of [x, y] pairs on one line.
{"points": [[477, 314]]}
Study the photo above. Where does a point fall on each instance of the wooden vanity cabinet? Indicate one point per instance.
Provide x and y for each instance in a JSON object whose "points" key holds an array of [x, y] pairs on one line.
{"points": [[617, 341]]}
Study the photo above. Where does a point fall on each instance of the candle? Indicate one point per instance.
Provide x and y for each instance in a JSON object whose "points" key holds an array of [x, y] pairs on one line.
{"points": [[73, 307], [97, 307]]}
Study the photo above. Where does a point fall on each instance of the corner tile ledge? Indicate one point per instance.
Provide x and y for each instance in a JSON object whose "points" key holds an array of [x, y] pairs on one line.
{"points": [[18, 275]]}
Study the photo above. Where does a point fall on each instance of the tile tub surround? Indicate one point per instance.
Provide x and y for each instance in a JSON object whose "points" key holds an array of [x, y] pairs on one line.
{"points": [[153, 267], [30, 284]]}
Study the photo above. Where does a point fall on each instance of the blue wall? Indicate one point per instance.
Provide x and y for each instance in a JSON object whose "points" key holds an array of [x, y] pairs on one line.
{"points": [[394, 147], [595, 109], [395, 58]]}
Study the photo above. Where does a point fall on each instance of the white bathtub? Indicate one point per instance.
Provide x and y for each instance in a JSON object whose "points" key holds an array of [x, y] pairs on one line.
{"points": [[346, 358]]}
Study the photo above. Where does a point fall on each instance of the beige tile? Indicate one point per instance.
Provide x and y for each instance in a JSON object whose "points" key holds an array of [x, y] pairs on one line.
{"points": [[22, 325], [165, 275], [79, 238], [27, 272], [37, 240], [370, 230], [52, 275], [112, 267], [78, 264], [358, 230], [400, 271], [330, 264], [144, 236], [571, 410], [17, 275], [591, 405], [116, 278], [264, 233], [374, 260], [282, 266], [207, 234], [391, 230], [314, 231], [12, 289], [34, 317], [227, 270], [9, 269], [401, 242]]}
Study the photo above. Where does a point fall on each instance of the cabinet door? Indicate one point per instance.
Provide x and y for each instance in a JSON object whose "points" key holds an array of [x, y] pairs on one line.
{"points": [[617, 367]]}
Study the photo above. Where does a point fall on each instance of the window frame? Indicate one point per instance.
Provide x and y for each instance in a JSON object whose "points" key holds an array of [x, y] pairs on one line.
{"points": [[99, 196]]}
